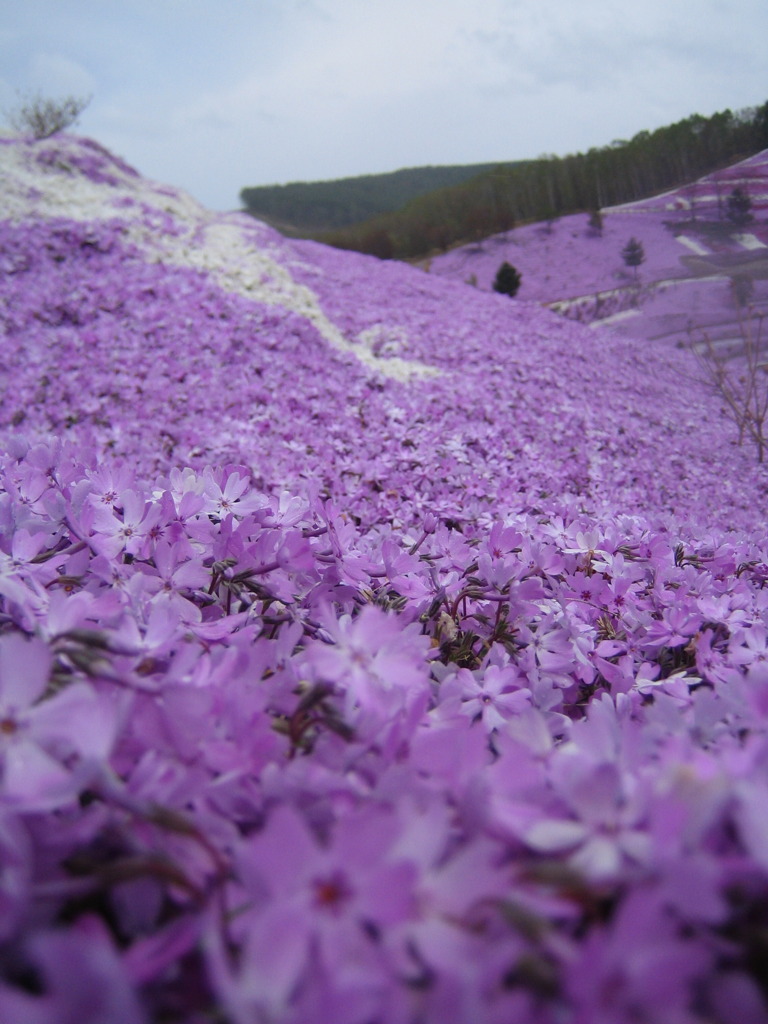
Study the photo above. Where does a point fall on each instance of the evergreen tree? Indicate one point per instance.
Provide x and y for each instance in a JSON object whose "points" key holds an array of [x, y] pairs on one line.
{"points": [[633, 254], [507, 280], [596, 224], [738, 207]]}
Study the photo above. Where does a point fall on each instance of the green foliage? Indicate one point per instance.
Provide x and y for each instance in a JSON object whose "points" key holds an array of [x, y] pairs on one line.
{"points": [[41, 116], [508, 280], [302, 207], [761, 122], [377, 242]]}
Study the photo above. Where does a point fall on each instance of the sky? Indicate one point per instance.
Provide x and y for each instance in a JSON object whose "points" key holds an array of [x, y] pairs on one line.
{"points": [[215, 95]]}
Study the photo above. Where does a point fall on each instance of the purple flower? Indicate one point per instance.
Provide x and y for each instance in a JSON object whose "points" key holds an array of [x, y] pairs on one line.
{"points": [[83, 980], [495, 697], [132, 531], [639, 966], [39, 736], [376, 664], [302, 896]]}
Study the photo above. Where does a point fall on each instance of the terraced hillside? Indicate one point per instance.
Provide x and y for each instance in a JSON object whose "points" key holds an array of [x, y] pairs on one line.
{"points": [[693, 252]]}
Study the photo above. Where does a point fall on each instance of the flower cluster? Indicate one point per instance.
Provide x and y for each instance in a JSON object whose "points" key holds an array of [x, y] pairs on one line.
{"points": [[327, 694]]}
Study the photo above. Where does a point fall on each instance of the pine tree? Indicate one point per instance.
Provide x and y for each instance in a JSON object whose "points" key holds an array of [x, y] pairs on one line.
{"points": [[633, 254], [507, 280], [738, 207]]}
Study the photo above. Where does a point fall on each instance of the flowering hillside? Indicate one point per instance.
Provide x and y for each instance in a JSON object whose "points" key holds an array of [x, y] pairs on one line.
{"points": [[373, 649], [692, 251]]}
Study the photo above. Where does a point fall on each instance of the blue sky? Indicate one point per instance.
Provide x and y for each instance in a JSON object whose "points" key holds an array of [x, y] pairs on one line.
{"points": [[214, 95]]}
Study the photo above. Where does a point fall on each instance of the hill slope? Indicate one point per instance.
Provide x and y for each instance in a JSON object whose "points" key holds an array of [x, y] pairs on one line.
{"points": [[693, 253], [304, 324], [309, 207], [371, 648]]}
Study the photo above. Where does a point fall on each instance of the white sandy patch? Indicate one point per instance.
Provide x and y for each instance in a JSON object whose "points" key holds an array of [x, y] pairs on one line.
{"points": [[239, 252], [243, 266], [750, 242], [384, 340], [726, 344], [625, 314], [679, 281], [693, 245]]}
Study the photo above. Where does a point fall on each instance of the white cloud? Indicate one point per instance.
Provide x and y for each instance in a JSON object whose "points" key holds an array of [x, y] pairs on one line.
{"points": [[215, 96]]}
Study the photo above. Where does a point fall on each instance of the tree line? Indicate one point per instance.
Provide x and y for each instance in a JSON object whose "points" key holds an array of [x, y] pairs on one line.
{"points": [[550, 187], [306, 207]]}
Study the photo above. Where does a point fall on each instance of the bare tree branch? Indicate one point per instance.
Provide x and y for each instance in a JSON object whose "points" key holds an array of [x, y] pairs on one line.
{"points": [[41, 116]]}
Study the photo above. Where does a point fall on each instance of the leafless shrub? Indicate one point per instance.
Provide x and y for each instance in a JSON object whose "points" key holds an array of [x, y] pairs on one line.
{"points": [[42, 116], [739, 376]]}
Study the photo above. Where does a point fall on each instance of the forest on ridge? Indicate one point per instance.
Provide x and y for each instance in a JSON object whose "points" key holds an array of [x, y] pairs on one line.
{"points": [[497, 198]]}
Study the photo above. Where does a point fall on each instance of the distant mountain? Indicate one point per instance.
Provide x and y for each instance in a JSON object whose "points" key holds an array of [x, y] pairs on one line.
{"points": [[302, 208]]}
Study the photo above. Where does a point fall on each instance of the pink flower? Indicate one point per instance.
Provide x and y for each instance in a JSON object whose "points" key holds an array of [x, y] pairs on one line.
{"points": [[605, 827], [550, 646], [749, 647], [637, 968], [20, 581], [177, 576]]}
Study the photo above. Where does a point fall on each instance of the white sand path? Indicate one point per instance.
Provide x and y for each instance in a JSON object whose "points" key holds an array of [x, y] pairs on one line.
{"points": [[693, 245], [750, 241]]}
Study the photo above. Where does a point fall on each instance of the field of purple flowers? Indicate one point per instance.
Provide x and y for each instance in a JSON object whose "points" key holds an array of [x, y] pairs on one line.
{"points": [[692, 252], [373, 649]]}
